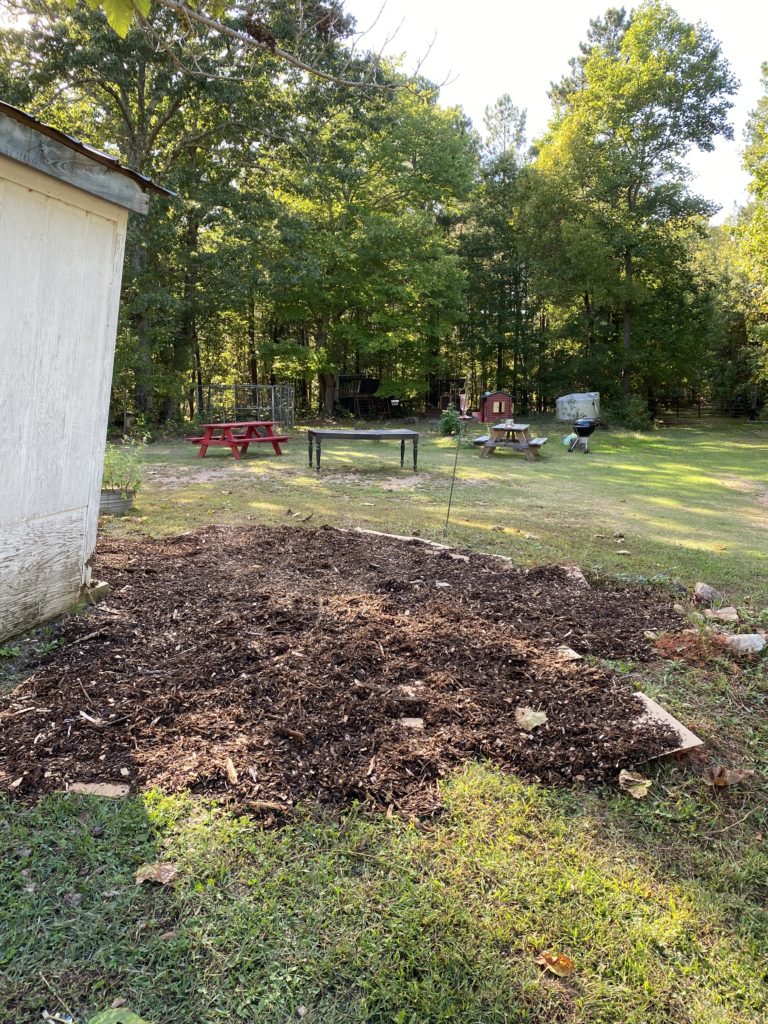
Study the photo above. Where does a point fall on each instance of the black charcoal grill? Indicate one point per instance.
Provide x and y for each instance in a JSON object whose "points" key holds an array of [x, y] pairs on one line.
{"points": [[584, 428]]}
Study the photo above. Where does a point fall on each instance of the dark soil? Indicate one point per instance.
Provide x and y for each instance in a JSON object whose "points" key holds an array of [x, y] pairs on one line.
{"points": [[274, 665]]}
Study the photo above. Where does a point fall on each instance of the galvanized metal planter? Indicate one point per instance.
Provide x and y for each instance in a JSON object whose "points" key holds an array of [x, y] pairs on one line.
{"points": [[116, 503]]}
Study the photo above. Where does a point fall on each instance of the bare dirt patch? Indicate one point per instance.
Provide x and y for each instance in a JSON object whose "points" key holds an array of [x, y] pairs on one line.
{"points": [[169, 478], [404, 483], [273, 665], [693, 648]]}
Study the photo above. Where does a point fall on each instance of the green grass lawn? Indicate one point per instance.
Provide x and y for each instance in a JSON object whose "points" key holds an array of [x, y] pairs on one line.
{"points": [[660, 903], [691, 502]]}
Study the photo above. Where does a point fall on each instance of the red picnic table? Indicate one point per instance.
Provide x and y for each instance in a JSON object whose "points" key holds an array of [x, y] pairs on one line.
{"points": [[222, 435]]}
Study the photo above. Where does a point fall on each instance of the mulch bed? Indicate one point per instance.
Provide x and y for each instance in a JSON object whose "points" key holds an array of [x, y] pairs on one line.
{"points": [[270, 666]]}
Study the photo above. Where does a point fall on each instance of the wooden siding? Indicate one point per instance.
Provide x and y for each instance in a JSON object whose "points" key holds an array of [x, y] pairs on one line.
{"points": [[61, 253]]}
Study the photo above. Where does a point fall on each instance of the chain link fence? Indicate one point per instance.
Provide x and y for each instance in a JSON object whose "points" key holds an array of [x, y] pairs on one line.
{"points": [[230, 402]]}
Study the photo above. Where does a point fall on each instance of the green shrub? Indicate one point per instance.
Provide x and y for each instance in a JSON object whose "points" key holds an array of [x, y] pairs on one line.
{"points": [[631, 413], [450, 422]]}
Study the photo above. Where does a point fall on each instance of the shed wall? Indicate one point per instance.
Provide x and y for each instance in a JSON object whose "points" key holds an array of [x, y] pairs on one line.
{"points": [[61, 255]]}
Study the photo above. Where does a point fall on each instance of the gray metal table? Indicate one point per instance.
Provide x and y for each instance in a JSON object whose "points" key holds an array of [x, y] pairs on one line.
{"points": [[315, 437]]}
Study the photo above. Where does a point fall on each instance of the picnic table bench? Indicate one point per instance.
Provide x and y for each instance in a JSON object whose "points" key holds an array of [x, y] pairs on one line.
{"points": [[315, 437], [515, 436], [222, 435]]}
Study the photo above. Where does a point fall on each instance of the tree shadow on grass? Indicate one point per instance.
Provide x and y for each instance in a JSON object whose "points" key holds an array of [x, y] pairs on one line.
{"points": [[356, 917]]}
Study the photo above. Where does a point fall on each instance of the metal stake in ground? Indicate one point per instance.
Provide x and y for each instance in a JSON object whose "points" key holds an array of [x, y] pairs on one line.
{"points": [[453, 481]]}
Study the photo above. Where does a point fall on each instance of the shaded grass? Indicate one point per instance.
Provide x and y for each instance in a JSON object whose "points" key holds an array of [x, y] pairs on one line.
{"points": [[661, 903], [365, 919]]}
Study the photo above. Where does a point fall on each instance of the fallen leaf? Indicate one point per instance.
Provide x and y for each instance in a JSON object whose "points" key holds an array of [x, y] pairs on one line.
{"points": [[529, 719], [622, 551], [635, 785], [557, 963], [721, 777], [117, 1003], [16, 783], [231, 771], [117, 1015], [163, 872]]}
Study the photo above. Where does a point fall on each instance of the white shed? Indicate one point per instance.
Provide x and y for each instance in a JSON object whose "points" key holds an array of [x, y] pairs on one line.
{"points": [[63, 216]]}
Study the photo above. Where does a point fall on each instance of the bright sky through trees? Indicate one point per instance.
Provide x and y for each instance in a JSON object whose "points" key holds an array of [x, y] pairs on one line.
{"points": [[490, 47]]}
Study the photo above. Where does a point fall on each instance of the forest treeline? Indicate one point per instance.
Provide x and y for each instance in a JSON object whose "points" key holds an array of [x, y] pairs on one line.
{"points": [[320, 229]]}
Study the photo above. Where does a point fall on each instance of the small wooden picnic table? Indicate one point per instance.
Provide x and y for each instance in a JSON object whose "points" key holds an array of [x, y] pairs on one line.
{"points": [[516, 436], [222, 435], [315, 436]]}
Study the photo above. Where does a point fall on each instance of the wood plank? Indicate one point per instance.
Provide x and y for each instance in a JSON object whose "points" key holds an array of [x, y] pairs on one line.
{"points": [[28, 146]]}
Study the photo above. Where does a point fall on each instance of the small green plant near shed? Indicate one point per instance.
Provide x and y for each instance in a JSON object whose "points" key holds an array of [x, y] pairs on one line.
{"points": [[122, 477]]}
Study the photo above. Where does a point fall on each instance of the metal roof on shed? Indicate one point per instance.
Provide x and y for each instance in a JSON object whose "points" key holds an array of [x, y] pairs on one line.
{"points": [[71, 171]]}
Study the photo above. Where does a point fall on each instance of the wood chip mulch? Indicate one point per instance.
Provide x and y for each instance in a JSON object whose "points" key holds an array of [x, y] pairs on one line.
{"points": [[270, 666]]}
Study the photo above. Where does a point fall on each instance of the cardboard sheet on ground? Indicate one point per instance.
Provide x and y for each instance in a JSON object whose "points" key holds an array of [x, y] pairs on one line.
{"points": [[653, 712]]}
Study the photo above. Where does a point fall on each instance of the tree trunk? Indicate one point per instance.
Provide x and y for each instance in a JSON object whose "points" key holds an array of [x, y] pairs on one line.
{"points": [[590, 316], [143, 393], [627, 340], [198, 376], [327, 379], [189, 312], [253, 363], [327, 393]]}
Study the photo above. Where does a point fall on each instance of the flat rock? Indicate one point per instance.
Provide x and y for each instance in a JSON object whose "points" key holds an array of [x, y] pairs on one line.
{"points": [[722, 614], [574, 573], [98, 590], [705, 594], [742, 644], [568, 653]]}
